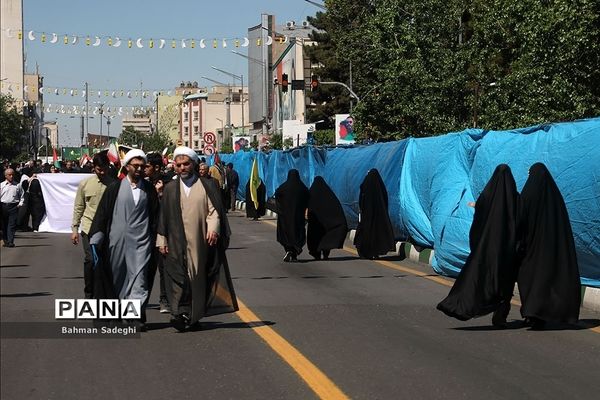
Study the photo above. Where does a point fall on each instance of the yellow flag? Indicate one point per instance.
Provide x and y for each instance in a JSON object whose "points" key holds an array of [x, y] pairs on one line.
{"points": [[254, 183]]}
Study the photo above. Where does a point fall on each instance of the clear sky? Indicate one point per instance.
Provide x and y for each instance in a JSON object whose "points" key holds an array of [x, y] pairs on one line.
{"points": [[106, 67]]}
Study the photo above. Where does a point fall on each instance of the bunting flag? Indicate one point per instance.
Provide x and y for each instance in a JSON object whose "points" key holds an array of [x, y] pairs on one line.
{"points": [[254, 182], [85, 158], [113, 154], [114, 41], [55, 158]]}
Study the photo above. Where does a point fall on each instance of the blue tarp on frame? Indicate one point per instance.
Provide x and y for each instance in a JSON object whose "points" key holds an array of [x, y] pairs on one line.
{"points": [[431, 180]]}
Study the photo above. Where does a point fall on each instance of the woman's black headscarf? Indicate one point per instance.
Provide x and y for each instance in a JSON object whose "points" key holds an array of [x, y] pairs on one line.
{"points": [[374, 234], [292, 200], [549, 282], [327, 227], [488, 277], [251, 211]]}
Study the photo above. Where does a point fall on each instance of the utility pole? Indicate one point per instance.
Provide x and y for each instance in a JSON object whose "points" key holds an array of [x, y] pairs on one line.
{"points": [[101, 111], [82, 131], [87, 113]]}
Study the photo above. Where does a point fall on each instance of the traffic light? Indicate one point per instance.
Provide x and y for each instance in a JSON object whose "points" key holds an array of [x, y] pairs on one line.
{"points": [[314, 83], [284, 83]]}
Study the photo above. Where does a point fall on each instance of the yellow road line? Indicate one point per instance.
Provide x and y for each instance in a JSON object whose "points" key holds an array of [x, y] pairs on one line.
{"points": [[310, 373], [436, 279]]}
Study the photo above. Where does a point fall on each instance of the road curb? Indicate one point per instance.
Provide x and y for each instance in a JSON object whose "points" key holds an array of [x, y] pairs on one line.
{"points": [[590, 296]]}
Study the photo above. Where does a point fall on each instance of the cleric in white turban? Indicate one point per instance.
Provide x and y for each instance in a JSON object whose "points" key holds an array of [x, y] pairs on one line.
{"points": [[194, 232], [123, 233], [134, 153], [186, 151]]}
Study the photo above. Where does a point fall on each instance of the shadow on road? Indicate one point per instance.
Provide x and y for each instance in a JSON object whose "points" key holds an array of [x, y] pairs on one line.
{"points": [[14, 266], [207, 326], [33, 245], [583, 324], [35, 294]]}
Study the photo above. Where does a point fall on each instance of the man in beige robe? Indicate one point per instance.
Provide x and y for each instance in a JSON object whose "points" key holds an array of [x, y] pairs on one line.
{"points": [[193, 234]]}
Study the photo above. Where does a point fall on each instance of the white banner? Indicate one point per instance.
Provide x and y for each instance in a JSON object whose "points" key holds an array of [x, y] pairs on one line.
{"points": [[59, 196]]}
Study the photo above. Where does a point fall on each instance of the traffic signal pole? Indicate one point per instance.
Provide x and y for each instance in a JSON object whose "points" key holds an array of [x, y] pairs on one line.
{"points": [[344, 85]]}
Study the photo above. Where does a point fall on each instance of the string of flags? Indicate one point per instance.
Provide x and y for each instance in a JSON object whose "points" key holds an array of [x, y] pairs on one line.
{"points": [[95, 110], [114, 93], [140, 42]]}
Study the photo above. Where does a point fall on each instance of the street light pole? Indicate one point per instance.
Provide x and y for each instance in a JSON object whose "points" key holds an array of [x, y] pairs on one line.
{"points": [[241, 78], [227, 133], [264, 75]]}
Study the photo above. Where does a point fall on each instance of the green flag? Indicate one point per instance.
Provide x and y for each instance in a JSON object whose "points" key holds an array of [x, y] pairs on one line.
{"points": [[254, 183]]}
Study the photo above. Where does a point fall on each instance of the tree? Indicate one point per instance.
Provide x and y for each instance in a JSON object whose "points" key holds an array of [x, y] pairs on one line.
{"points": [[15, 128], [331, 66], [129, 136], [276, 141], [426, 67], [325, 137], [226, 148]]}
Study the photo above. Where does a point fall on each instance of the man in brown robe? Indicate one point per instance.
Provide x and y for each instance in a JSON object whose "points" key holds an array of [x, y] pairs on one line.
{"points": [[193, 234]]}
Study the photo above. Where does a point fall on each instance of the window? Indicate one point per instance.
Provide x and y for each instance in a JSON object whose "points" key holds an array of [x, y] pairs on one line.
{"points": [[186, 143], [195, 115], [195, 130], [186, 130], [186, 116], [195, 144]]}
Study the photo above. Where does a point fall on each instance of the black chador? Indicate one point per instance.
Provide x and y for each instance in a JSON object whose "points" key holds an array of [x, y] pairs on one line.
{"points": [[36, 203], [549, 282], [252, 211], [486, 281], [327, 227], [374, 234], [292, 200]]}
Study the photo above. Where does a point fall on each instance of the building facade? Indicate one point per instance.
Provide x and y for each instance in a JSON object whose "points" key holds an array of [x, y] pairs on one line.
{"points": [[213, 112], [11, 48], [141, 123]]}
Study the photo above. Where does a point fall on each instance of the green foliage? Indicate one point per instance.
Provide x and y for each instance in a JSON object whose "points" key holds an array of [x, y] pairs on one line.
{"points": [[324, 137], [254, 144], [288, 142], [129, 136], [276, 141], [15, 128], [331, 66], [426, 67], [226, 148], [155, 141]]}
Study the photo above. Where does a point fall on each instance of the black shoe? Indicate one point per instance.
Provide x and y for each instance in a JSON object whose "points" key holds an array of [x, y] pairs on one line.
{"points": [[287, 257], [180, 322], [9, 245], [142, 327], [294, 258], [326, 254], [316, 256]]}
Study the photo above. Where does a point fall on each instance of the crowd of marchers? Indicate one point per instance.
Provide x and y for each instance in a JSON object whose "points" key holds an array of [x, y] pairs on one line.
{"points": [[173, 219]]}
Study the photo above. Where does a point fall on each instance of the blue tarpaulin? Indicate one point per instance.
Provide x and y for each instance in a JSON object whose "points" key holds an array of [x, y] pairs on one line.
{"points": [[431, 180]]}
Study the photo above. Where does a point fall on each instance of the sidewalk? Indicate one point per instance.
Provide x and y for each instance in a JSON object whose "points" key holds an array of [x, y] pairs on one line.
{"points": [[590, 296]]}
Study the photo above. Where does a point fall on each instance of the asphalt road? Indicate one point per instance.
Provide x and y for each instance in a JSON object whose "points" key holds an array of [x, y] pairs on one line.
{"points": [[330, 329]]}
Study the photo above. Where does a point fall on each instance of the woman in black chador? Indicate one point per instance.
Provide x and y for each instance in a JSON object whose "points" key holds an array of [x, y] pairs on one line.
{"points": [[486, 281], [549, 282], [256, 212], [36, 202], [327, 227], [291, 199], [374, 234]]}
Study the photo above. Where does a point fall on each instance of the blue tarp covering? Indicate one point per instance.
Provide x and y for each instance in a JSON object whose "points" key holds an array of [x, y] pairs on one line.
{"points": [[431, 180]]}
